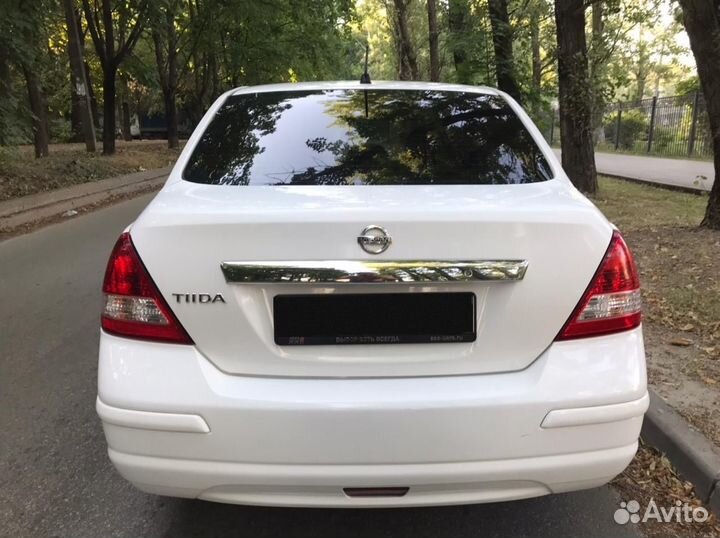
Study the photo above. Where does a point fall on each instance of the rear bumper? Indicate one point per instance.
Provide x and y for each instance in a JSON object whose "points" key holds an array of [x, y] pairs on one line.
{"points": [[176, 425], [323, 485]]}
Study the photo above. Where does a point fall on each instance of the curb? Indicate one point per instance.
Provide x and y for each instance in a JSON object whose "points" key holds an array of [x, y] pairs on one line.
{"points": [[45, 205], [667, 183], [666, 186], [691, 453]]}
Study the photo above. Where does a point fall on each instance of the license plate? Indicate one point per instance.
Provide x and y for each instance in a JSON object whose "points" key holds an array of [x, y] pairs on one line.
{"points": [[375, 318]]}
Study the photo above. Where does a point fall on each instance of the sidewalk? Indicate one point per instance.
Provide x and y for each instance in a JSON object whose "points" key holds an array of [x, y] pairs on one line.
{"points": [[25, 210], [674, 172]]}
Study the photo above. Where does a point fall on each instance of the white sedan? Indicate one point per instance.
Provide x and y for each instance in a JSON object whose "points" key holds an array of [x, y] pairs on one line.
{"points": [[383, 294]]}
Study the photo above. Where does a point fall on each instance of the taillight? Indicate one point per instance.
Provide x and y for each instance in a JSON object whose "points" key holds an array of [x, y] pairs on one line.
{"points": [[612, 301], [133, 305]]}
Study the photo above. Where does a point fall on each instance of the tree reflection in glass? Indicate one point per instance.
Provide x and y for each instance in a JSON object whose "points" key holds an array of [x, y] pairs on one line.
{"points": [[373, 137]]}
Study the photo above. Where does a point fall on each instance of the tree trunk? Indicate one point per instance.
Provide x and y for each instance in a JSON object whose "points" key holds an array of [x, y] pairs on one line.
{"points": [[109, 74], [457, 24], [597, 67], [598, 27], [640, 92], [503, 45], [126, 127], [643, 59], [702, 23], [81, 106], [38, 107], [165, 41], [123, 107], [215, 86], [101, 27], [536, 78], [5, 94], [76, 100], [536, 67], [172, 80], [433, 40], [93, 100], [76, 126], [408, 69], [578, 158], [171, 118]]}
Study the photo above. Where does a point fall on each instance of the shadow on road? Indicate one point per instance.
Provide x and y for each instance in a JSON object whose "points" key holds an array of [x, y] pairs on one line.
{"points": [[555, 516]]}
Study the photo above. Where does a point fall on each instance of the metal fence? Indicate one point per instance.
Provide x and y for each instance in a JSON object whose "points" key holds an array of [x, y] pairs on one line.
{"points": [[674, 126]]}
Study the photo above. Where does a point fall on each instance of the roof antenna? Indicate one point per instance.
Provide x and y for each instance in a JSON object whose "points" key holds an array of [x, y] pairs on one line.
{"points": [[365, 77]]}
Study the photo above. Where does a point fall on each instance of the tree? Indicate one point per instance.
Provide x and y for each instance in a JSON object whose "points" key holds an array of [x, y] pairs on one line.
{"points": [[534, 44], [536, 60], [38, 108], [701, 19], [433, 38], [575, 99], [22, 54], [165, 38], [5, 95], [29, 59], [642, 66], [11, 131], [503, 45], [407, 59], [127, 24], [458, 15], [596, 66], [78, 81]]}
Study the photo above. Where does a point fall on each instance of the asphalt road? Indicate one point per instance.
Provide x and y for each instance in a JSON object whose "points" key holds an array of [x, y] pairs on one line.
{"points": [[55, 478], [686, 173]]}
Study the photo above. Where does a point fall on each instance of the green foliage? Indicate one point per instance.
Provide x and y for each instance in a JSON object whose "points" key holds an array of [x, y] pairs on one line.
{"points": [[535, 16], [292, 41], [634, 125], [60, 130], [665, 138], [688, 85], [14, 118], [227, 43]]}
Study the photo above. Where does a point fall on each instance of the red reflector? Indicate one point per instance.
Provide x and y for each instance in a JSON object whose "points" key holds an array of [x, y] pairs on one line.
{"points": [[612, 301], [134, 307]]}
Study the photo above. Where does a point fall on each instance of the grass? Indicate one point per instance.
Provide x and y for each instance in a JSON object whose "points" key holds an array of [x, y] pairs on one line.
{"points": [[642, 152], [69, 164], [678, 263], [678, 260], [634, 206]]}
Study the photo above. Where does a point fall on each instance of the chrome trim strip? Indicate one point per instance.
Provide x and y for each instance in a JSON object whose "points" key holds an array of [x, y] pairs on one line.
{"points": [[372, 272]]}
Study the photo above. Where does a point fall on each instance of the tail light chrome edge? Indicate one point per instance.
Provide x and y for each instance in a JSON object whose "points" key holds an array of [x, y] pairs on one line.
{"points": [[371, 272], [612, 302]]}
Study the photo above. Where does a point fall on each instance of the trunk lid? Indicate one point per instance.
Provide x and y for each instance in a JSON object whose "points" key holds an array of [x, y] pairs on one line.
{"points": [[189, 230]]}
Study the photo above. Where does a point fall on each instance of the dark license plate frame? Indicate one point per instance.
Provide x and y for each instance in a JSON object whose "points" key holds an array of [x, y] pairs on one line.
{"points": [[374, 318]]}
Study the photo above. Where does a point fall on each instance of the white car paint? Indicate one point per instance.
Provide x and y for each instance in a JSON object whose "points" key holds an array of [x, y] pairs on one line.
{"points": [[237, 418]]}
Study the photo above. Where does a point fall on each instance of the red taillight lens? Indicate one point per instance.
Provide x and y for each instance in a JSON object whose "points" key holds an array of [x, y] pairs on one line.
{"points": [[134, 307], [612, 301]]}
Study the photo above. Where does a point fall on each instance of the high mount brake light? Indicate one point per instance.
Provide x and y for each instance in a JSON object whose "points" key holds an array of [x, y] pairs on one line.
{"points": [[611, 302], [134, 307]]}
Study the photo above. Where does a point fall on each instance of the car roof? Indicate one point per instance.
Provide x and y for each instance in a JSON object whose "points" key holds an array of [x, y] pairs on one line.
{"points": [[355, 85]]}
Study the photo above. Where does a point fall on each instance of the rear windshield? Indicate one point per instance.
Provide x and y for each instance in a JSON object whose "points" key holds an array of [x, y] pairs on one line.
{"points": [[366, 137]]}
